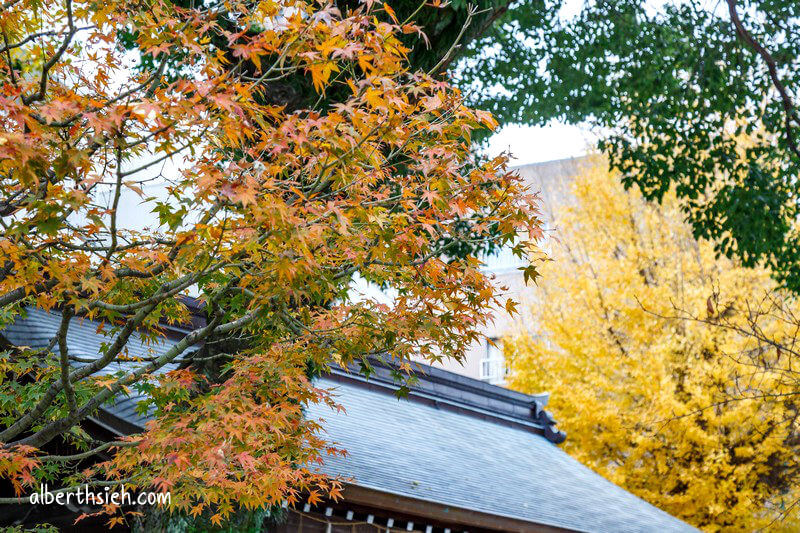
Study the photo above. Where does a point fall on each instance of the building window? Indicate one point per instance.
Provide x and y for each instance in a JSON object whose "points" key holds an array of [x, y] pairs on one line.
{"points": [[493, 364]]}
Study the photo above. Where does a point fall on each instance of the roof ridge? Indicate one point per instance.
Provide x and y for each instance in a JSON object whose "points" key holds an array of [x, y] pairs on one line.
{"points": [[443, 388]]}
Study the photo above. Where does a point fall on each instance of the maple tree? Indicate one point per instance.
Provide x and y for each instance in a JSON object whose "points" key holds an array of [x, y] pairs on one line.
{"points": [[670, 368], [269, 214]]}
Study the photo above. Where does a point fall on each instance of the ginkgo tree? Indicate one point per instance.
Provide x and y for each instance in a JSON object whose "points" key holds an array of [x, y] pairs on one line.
{"points": [[268, 215], [672, 369]]}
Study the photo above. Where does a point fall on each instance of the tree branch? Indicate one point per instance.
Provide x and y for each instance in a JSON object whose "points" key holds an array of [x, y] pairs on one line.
{"points": [[38, 95], [786, 100]]}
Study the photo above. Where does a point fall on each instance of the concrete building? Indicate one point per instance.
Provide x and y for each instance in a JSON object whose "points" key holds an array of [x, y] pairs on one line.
{"points": [[485, 361]]}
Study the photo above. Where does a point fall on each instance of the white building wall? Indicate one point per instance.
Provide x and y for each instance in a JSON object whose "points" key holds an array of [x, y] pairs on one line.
{"points": [[552, 181]]}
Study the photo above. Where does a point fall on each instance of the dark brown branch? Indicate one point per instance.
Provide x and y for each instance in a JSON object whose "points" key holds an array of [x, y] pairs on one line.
{"points": [[119, 343], [786, 100], [10, 46], [51, 430], [450, 54], [87, 453], [19, 293], [63, 350], [38, 95]]}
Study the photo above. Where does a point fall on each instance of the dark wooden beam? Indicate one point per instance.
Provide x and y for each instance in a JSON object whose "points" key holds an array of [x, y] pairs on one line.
{"points": [[441, 513]]}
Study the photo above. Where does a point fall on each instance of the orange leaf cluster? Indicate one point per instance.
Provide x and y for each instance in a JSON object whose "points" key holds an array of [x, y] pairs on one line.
{"points": [[128, 184]]}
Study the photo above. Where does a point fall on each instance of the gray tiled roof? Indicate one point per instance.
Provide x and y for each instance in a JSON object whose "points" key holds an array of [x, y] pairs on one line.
{"points": [[423, 448], [85, 340], [411, 449]]}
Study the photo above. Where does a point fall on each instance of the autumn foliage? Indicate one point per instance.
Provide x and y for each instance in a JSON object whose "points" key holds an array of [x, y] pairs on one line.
{"points": [[643, 336], [269, 214]]}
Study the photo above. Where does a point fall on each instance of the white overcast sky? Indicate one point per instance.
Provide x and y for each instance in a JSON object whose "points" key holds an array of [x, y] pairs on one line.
{"points": [[529, 144]]}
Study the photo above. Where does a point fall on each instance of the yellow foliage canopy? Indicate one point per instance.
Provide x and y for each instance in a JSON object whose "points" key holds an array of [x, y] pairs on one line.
{"points": [[653, 392]]}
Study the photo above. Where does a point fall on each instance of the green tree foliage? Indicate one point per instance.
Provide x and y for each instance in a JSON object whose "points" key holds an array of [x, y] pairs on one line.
{"points": [[671, 85]]}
